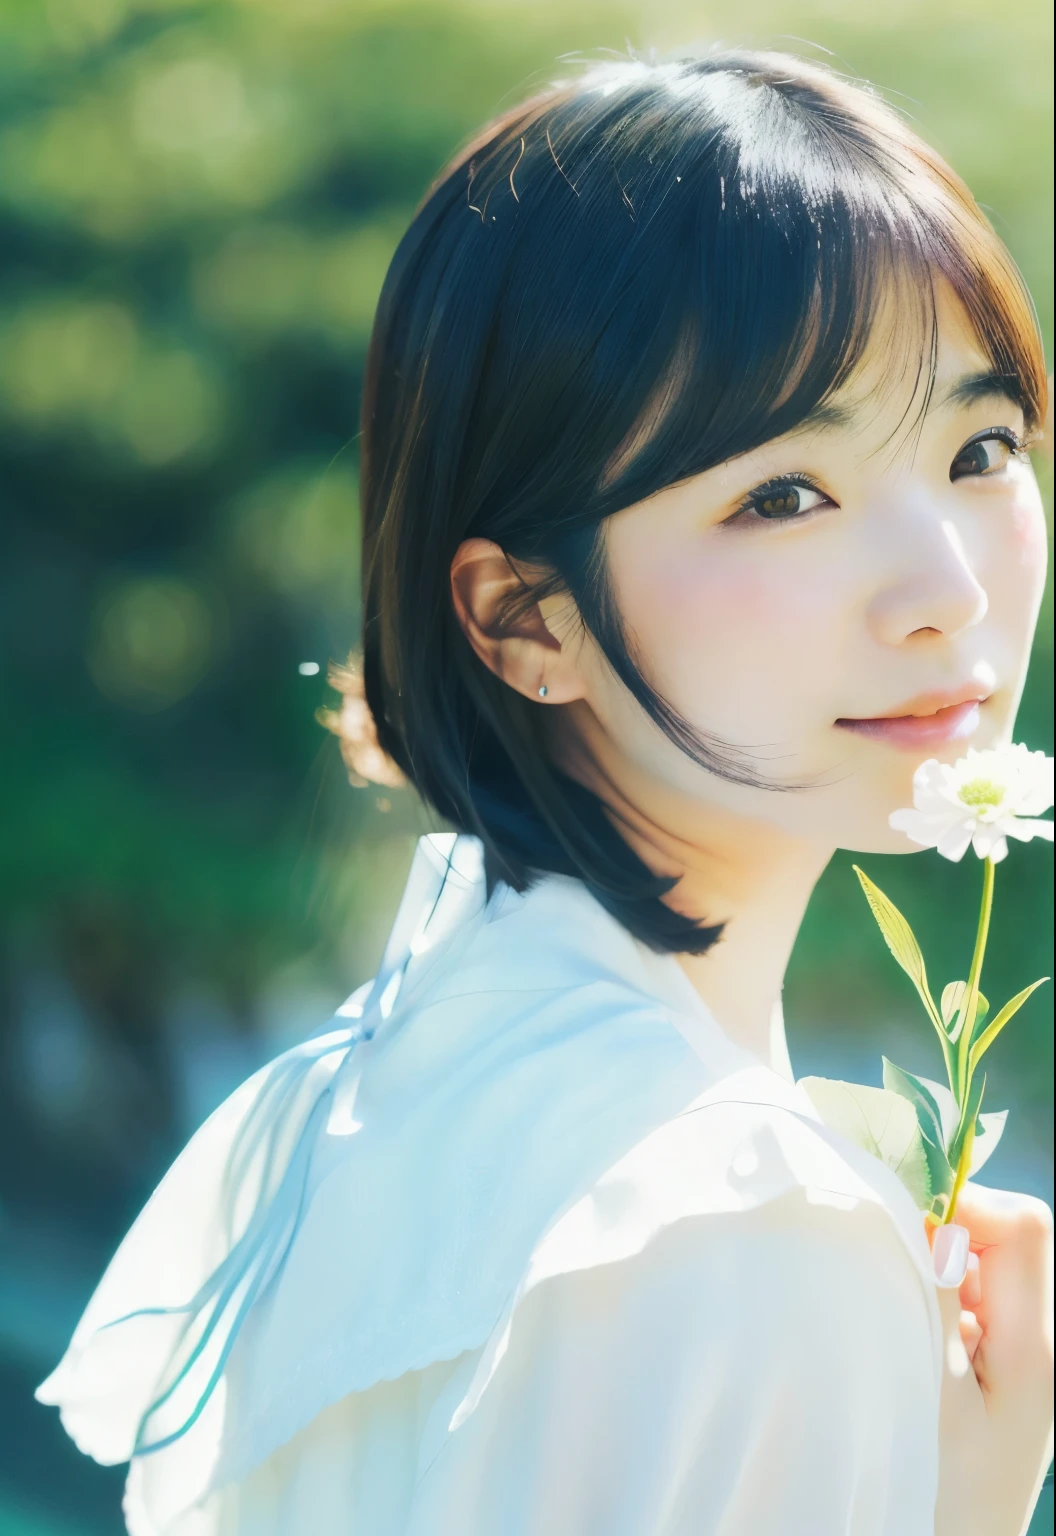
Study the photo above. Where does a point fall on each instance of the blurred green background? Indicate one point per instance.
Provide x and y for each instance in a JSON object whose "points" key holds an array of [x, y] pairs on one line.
{"points": [[198, 199]]}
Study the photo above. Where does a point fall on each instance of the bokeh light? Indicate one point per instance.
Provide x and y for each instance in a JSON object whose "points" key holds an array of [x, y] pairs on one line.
{"points": [[151, 641]]}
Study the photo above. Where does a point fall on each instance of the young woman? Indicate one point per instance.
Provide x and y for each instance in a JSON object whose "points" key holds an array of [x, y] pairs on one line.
{"points": [[697, 514]]}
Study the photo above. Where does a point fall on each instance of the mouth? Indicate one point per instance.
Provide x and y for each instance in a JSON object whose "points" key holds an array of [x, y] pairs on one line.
{"points": [[931, 720]]}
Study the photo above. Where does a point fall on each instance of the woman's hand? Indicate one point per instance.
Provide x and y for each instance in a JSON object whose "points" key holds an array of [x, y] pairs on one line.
{"points": [[997, 1403]]}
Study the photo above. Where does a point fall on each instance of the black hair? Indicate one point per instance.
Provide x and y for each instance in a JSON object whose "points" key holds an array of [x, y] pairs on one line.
{"points": [[633, 277]]}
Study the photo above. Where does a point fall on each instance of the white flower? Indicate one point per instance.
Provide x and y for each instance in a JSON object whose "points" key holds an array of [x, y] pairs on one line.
{"points": [[982, 799]]}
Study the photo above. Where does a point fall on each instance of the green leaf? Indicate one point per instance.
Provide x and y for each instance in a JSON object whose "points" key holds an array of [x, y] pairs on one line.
{"points": [[925, 1105], [918, 1093], [954, 996], [899, 938], [988, 1132], [949, 1111], [951, 999], [989, 1128], [991, 1032], [881, 1122]]}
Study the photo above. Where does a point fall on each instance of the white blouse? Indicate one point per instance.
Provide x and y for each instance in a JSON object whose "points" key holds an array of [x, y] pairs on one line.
{"points": [[523, 1245]]}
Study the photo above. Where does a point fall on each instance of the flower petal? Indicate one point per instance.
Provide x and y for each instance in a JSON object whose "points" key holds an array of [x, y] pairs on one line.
{"points": [[954, 842], [1024, 829], [1036, 793], [927, 829], [934, 788], [912, 823], [989, 844], [1019, 780]]}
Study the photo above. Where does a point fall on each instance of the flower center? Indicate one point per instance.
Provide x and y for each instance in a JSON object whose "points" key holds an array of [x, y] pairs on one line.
{"points": [[981, 792]]}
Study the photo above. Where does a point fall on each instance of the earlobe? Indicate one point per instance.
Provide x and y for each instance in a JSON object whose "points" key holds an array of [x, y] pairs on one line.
{"points": [[506, 632]]}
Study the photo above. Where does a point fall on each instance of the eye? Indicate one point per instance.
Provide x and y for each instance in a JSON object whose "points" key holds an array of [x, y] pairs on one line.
{"points": [[781, 500], [988, 453]]}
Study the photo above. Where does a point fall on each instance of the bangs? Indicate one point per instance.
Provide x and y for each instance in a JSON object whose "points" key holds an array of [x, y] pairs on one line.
{"points": [[683, 262], [805, 228]]}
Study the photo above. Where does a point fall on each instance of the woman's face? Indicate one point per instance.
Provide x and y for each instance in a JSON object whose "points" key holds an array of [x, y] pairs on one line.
{"points": [[838, 605]]}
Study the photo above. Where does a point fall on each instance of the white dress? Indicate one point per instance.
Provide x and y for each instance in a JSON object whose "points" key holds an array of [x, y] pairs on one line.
{"points": [[522, 1245]]}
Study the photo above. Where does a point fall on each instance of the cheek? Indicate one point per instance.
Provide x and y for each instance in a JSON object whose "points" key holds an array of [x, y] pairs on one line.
{"points": [[1019, 557], [1029, 535], [731, 631]]}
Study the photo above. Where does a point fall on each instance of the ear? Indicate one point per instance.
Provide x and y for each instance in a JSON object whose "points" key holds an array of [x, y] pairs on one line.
{"points": [[511, 637]]}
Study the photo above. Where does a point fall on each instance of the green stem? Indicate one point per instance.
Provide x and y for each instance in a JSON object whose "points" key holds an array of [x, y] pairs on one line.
{"points": [[964, 1163], [962, 1086], [971, 1002]]}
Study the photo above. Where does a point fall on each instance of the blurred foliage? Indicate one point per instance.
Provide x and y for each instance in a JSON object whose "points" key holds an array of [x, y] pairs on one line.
{"points": [[198, 200]]}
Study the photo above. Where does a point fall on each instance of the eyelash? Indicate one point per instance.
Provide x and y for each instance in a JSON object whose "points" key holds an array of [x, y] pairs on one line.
{"points": [[1006, 434], [779, 486], [782, 484], [1011, 440]]}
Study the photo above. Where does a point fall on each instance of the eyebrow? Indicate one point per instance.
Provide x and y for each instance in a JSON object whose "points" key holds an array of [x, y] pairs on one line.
{"points": [[988, 385], [827, 415], [984, 386]]}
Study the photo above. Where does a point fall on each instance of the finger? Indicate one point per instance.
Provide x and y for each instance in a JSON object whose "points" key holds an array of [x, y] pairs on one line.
{"points": [[971, 1333], [1014, 1306], [971, 1288], [957, 1361], [993, 1215]]}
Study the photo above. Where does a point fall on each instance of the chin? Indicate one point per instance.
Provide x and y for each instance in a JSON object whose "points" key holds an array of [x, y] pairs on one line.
{"points": [[885, 840], [864, 826]]}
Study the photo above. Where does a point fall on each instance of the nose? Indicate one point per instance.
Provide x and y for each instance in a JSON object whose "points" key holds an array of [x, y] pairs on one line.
{"points": [[933, 590]]}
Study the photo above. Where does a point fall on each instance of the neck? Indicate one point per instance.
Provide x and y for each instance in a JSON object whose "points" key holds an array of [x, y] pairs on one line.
{"points": [[746, 874], [761, 897]]}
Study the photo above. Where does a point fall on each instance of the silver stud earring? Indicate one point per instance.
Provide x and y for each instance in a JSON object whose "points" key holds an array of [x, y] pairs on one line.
{"points": [[543, 691]]}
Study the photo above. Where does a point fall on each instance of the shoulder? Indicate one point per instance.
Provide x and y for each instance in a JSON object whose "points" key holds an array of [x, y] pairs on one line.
{"points": [[758, 1370], [784, 1291], [745, 1169]]}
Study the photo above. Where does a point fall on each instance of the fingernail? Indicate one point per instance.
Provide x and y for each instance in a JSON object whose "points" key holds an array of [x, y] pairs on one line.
{"points": [[949, 1254], [973, 1264]]}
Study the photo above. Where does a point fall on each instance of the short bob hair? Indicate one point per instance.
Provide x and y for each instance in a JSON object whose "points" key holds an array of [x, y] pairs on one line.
{"points": [[637, 275]]}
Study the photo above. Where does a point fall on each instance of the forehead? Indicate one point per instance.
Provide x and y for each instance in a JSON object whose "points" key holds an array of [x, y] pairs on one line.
{"points": [[923, 354]]}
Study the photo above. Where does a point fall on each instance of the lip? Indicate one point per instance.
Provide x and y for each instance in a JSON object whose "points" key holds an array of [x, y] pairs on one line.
{"points": [[929, 720]]}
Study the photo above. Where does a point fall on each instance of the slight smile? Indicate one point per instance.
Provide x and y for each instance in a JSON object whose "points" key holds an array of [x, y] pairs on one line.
{"points": [[929, 721]]}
